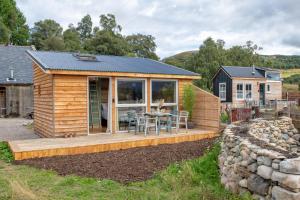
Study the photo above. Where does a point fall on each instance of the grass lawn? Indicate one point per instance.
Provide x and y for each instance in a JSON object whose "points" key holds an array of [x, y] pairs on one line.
{"points": [[193, 179], [290, 87], [289, 72]]}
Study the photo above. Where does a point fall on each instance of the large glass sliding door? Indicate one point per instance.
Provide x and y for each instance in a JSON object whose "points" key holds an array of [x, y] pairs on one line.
{"points": [[131, 97]]}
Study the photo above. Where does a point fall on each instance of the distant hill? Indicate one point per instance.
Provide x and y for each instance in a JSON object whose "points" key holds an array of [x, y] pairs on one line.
{"points": [[276, 61]]}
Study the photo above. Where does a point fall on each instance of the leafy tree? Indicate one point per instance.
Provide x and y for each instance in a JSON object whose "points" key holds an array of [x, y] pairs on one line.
{"points": [[4, 33], [107, 43], [108, 23], [85, 27], [71, 39], [47, 35], [142, 45], [14, 22], [210, 57]]}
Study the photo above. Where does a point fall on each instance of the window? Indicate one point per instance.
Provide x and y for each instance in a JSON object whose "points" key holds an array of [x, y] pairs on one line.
{"points": [[248, 91], [222, 91], [239, 91], [131, 91], [268, 88], [130, 98], [166, 90]]}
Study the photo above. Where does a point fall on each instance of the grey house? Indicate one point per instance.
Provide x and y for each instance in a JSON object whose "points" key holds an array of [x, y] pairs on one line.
{"points": [[16, 90]]}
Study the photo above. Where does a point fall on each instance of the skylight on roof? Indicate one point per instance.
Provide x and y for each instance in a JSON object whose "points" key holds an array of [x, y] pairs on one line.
{"points": [[85, 57]]}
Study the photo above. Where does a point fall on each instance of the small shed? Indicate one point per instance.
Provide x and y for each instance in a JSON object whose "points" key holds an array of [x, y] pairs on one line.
{"points": [[79, 94], [16, 91]]}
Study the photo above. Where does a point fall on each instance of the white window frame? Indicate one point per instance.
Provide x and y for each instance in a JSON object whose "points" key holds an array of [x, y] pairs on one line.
{"points": [[165, 104], [242, 98], [128, 105], [245, 95], [268, 86], [220, 84]]}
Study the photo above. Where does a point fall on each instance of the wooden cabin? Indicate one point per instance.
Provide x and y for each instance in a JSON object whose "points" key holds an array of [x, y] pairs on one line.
{"points": [[77, 94], [238, 86]]}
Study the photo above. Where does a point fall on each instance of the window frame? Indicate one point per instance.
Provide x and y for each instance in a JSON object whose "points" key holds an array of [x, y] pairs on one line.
{"points": [[165, 104], [117, 105], [237, 93], [222, 99], [130, 105], [268, 90], [245, 95]]}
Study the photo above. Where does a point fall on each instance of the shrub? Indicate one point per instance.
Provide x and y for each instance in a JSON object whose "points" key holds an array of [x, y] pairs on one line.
{"points": [[224, 117], [188, 99], [5, 153]]}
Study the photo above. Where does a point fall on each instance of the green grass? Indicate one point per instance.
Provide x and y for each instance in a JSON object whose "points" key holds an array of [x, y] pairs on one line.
{"points": [[289, 72], [5, 153], [193, 179]]}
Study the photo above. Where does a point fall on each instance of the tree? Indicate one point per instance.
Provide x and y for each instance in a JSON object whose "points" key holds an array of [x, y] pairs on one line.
{"points": [[107, 43], [85, 27], [108, 23], [142, 45], [4, 33], [14, 22], [210, 57], [47, 35], [71, 39]]}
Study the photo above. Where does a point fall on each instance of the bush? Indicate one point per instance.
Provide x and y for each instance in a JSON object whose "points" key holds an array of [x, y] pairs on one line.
{"points": [[224, 117], [188, 99], [5, 152]]}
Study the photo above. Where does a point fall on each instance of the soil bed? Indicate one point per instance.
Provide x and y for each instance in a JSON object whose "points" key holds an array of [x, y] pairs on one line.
{"points": [[125, 166]]}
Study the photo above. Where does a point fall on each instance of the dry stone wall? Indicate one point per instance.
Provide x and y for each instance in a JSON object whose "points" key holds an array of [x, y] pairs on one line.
{"points": [[262, 157]]}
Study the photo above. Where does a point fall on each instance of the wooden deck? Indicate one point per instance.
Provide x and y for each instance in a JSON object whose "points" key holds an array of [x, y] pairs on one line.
{"points": [[46, 147]]}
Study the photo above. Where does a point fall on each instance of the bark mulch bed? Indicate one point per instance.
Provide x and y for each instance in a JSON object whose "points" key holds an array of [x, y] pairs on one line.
{"points": [[125, 166]]}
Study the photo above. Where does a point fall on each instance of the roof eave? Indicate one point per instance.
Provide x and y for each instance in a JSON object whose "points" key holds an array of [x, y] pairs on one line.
{"points": [[120, 74]]}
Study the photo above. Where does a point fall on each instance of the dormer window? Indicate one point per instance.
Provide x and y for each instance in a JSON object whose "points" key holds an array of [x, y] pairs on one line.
{"points": [[12, 77]]}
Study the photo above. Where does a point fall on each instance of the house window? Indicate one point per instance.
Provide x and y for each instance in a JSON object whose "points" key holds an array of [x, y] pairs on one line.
{"points": [[239, 91], [222, 91], [268, 88], [248, 91], [131, 98], [166, 90]]}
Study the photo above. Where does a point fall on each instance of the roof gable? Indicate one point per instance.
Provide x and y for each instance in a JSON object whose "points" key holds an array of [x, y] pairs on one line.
{"points": [[67, 61], [15, 58]]}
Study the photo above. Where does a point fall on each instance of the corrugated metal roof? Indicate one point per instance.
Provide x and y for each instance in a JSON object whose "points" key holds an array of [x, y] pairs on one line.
{"points": [[67, 61], [15, 58], [245, 72]]}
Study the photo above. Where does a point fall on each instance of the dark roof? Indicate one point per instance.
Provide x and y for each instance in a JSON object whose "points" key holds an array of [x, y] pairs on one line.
{"points": [[15, 58], [67, 61], [244, 72]]}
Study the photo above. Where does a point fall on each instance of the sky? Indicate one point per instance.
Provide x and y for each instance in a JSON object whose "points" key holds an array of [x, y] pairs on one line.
{"points": [[182, 25]]}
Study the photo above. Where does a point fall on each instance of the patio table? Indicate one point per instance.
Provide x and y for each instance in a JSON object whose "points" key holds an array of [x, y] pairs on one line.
{"points": [[159, 115]]}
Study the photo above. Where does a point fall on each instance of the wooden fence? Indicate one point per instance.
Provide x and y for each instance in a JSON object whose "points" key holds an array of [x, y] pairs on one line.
{"points": [[292, 96], [206, 113]]}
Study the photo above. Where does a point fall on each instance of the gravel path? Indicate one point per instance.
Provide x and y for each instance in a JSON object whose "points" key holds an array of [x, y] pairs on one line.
{"points": [[15, 129]]}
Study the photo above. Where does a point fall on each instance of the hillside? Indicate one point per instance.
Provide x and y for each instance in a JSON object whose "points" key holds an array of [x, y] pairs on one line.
{"points": [[276, 61]]}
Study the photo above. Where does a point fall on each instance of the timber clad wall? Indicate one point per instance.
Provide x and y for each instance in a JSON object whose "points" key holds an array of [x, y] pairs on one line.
{"points": [[43, 102], [276, 90], [255, 89], [206, 113], [70, 105]]}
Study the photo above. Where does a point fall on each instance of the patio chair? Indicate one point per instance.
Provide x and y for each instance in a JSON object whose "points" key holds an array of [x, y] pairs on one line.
{"points": [[183, 119], [150, 122], [173, 122], [132, 120], [141, 121]]}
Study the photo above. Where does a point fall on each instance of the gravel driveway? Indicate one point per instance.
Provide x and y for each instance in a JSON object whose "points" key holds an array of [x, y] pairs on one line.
{"points": [[16, 129]]}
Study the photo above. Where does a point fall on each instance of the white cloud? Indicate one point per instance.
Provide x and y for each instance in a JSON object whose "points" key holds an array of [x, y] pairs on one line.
{"points": [[181, 25]]}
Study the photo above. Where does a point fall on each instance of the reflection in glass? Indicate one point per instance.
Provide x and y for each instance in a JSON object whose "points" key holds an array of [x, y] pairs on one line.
{"points": [[131, 91], [164, 90]]}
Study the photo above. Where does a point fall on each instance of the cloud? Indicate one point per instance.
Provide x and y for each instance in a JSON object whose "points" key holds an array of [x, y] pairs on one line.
{"points": [[181, 25]]}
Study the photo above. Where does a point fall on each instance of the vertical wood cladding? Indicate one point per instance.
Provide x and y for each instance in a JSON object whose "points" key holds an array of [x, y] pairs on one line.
{"points": [[222, 77], [43, 102], [70, 105]]}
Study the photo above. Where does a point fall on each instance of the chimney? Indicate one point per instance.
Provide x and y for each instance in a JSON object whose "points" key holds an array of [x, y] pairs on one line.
{"points": [[253, 70], [12, 74]]}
